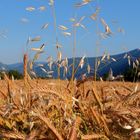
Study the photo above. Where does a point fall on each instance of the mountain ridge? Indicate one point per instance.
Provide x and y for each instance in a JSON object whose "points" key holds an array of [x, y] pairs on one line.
{"points": [[118, 67]]}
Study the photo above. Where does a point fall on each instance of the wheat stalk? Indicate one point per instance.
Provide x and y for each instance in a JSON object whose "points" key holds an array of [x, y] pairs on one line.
{"points": [[73, 132]]}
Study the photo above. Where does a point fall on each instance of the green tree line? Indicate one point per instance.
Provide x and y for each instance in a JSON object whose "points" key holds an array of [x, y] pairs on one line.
{"points": [[11, 73]]}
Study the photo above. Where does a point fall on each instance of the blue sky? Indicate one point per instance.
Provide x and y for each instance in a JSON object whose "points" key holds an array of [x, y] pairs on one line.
{"points": [[125, 13]]}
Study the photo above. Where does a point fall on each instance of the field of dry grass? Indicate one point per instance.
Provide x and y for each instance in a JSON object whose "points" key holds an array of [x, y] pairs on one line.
{"points": [[55, 109]]}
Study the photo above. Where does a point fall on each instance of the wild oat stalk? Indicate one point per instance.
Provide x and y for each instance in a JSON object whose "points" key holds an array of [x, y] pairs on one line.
{"points": [[74, 50], [47, 122], [26, 78], [56, 35], [74, 129], [97, 45], [25, 64]]}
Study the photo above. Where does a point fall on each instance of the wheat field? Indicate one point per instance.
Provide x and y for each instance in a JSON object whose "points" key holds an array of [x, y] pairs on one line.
{"points": [[59, 109]]}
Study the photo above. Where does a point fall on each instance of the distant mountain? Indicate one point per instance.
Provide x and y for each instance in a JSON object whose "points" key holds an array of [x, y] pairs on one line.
{"points": [[16, 66], [121, 63], [118, 63], [3, 66]]}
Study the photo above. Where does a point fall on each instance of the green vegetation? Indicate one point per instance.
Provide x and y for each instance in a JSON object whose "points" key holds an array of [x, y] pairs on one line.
{"points": [[15, 74], [10, 73], [1, 75], [133, 73]]}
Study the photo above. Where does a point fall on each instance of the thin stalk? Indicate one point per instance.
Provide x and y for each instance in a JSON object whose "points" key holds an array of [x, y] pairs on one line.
{"points": [[135, 75], [76, 69], [95, 69], [58, 71], [25, 71], [56, 35], [73, 65], [74, 52], [97, 48], [25, 61]]}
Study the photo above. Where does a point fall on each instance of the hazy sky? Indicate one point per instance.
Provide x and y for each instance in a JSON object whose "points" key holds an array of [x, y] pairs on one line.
{"points": [[122, 14]]}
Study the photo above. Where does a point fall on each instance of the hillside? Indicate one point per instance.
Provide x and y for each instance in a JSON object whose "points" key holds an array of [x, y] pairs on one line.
{"points": [[118, 66]]}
